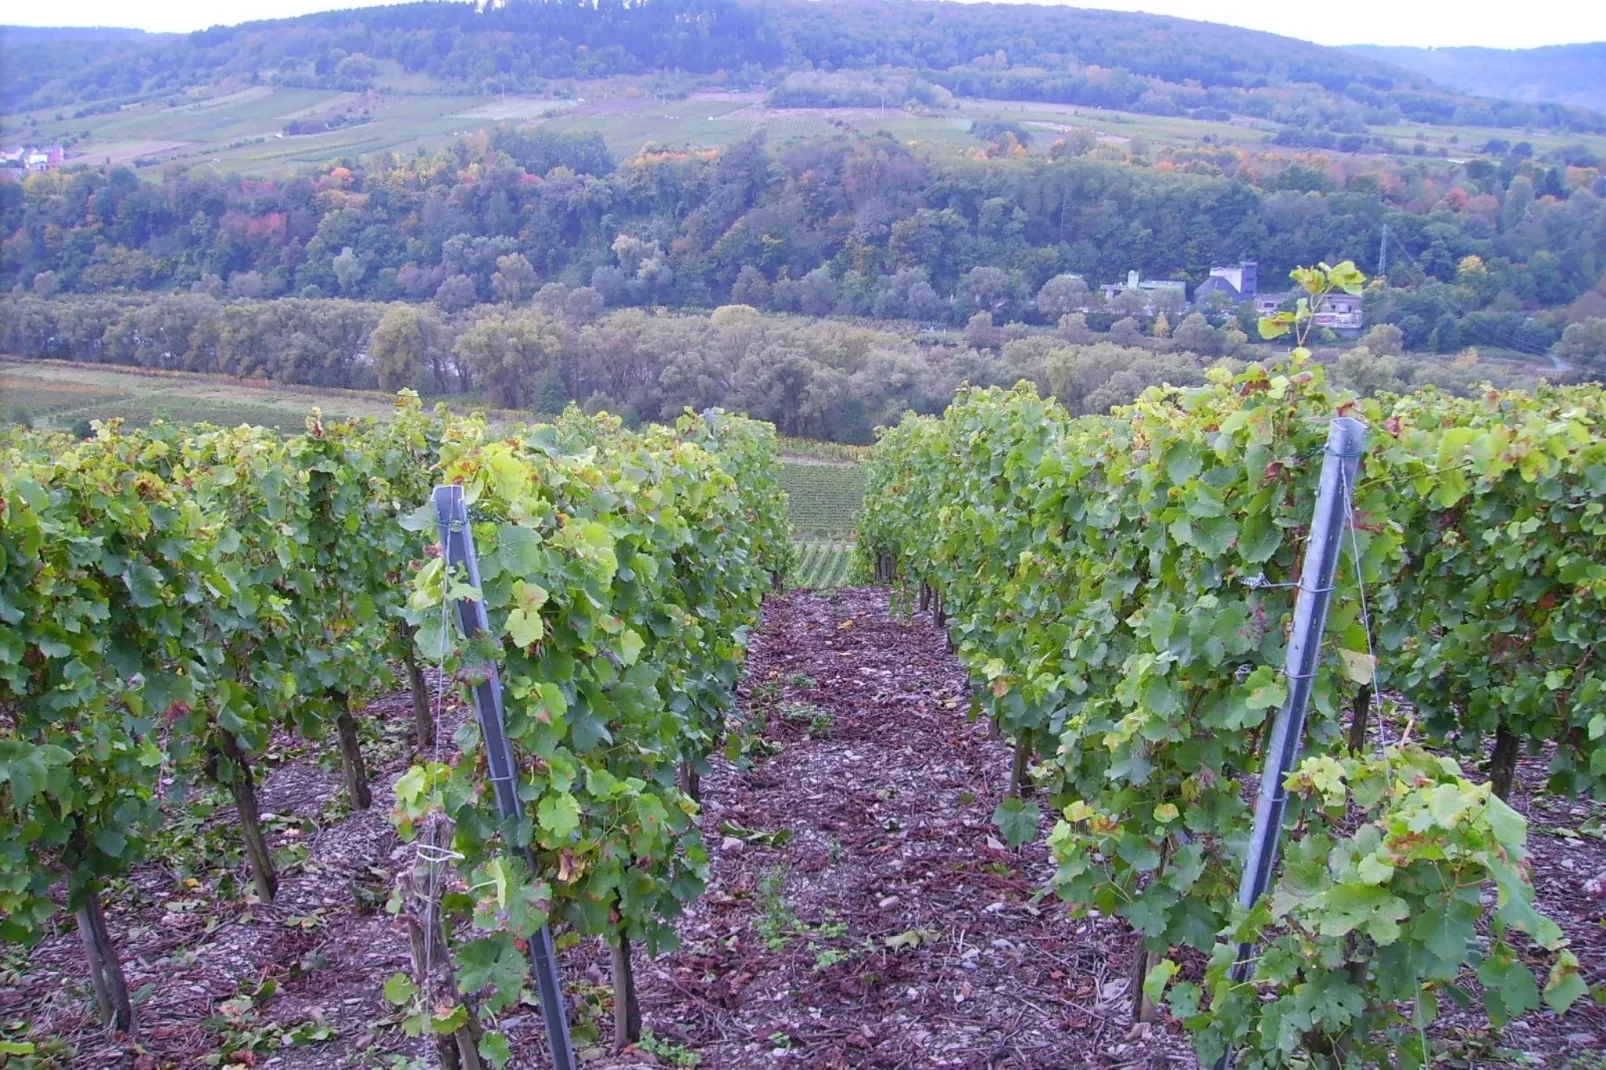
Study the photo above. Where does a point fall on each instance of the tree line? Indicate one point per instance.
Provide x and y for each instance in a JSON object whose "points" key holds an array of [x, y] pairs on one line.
{"points": [[812, 378], [837, 225]]}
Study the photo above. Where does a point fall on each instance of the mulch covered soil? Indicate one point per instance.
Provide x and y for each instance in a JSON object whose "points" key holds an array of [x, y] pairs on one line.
{"points": [[861, 911]]}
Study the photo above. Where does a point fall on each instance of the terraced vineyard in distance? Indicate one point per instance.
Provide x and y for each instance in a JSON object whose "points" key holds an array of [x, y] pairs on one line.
{"points": [[825, 497], [822, 564]]}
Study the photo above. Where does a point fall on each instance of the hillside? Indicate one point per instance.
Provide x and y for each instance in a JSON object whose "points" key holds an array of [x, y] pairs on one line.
{"points": [[1146, 63], [1561, 74]]}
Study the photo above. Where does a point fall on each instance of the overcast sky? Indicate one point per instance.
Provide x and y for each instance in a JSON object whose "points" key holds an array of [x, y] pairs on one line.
{"points": [[1493, 23]]}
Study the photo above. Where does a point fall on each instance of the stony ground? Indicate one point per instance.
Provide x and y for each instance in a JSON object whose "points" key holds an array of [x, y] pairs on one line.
{"points": [[860, 913]]}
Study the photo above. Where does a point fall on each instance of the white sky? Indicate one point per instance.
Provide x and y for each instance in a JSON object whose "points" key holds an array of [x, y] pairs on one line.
{"points": [[1492, 23]]}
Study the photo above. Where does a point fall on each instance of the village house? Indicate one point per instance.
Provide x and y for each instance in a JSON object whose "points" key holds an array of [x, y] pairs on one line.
{"points": [[32, 158], [1236, 284], [1136, 281]]}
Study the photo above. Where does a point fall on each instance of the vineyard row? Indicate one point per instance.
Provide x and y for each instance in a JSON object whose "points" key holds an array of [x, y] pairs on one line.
{"points": [[171, 599]]}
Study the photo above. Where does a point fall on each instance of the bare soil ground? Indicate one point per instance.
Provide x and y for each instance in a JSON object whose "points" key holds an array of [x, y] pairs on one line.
{"points": [[860, 911]]}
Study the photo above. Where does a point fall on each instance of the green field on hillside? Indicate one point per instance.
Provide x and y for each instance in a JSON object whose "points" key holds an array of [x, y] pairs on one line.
{"points": [[243, 130], [57, 395], [825, 497], [822, 565]]}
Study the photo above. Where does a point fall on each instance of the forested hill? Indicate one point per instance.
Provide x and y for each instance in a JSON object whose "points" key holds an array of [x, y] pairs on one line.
{"points": [[1098, 58], [1563, 74]]}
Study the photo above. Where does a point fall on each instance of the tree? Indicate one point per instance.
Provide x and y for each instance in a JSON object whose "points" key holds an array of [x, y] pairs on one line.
{"points": [[349, 270], [1233, 340], [1161, 326], [1519, 199], [1584, 344], [1384, 340], [583, 304], [456, 293], [1129, 302], [246, 284], [1168, 299], [513, 280], [980, 332], [1125, 332], [1195, 335], [1074, 329], [44, 283], [1063, 295], [404, 346], [551, 297], [817, 292], [750, 287], [1446, 336], [516, 358], [989, 289]]}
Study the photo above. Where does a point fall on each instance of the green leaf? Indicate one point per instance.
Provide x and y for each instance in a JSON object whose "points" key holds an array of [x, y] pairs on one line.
{"points": [[1258, 539], [494, 1048], [1266, 689], [1017, 820], [559, 815], [1182, 463], [495, 961], [1374, 869], [1565, 984], [1272, 327], [1158, 977], [1509, 990], [520, 550], [400, 989], [1445, 932], [1184, 999]]}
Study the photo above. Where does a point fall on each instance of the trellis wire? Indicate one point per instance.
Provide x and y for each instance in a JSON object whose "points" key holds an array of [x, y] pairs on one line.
{"points": [[428, 850]]}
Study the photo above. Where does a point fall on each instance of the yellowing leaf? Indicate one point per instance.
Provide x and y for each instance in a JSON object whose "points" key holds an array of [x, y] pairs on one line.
{"points": [[524, 624], [1359, 666], [524, 628], [629, 646]]}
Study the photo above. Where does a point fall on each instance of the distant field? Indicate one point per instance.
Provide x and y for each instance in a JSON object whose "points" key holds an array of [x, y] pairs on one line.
{"points": [[504, 108], [1470, 139], [1048, 122], [628, 124], [825, 497], [29, 397], [822, 565], [55, 394], [243, 131]]}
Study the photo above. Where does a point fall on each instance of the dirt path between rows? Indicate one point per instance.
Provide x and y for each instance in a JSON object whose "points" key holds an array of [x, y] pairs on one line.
{"points": [[860, 910], [892, 928]]}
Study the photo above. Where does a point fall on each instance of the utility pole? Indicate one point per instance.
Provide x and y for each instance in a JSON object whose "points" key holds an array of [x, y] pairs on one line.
{"points": [[1346, 439], [457, 547], [1383, 253]]}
